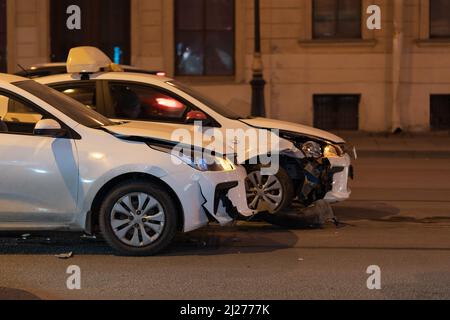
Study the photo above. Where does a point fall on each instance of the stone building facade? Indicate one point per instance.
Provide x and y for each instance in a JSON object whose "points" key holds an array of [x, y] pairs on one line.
{"points": [[375, 80]]}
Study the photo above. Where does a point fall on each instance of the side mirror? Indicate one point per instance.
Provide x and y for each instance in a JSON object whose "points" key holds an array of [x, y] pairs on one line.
{"points": [[49, 128], [193, 116]]}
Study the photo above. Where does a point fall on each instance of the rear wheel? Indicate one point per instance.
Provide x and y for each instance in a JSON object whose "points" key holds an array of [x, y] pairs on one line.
{"points": [[265, 193], [138, 218]]}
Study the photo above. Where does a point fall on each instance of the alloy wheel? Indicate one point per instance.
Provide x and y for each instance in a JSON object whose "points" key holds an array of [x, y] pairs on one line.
{"points": [[264, 193], [137, 219]]}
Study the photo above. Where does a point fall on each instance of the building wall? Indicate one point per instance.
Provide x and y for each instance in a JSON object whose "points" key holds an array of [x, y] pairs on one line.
{"points": [[394, 82], [28, 32]]}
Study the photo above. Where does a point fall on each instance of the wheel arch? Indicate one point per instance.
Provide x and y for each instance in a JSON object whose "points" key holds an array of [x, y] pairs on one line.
{"points": [[92, 221]]}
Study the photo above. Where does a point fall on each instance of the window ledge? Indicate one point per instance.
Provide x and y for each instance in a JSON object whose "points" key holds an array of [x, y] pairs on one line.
{"points": [[338, 43], [427, 43]]}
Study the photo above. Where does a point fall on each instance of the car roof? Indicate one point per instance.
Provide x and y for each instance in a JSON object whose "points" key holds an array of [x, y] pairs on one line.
{"points": [[9, 78], [124, 76]]}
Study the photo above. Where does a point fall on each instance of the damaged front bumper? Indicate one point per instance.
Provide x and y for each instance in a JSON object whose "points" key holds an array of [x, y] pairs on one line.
{"points": [[340, 170], [325, 179], [212, 196]]}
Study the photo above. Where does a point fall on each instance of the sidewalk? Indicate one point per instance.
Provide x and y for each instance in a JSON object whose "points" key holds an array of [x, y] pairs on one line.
{"points": [[408, 145]]}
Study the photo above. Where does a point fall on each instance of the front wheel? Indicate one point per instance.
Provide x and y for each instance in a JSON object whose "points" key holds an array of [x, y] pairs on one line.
{"points": [[138, 218], [270, 194]]}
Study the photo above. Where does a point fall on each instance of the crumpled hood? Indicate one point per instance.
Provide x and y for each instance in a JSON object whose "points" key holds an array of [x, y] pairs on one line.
{"points": [[164, 132], [293, 127], [146, 130]]}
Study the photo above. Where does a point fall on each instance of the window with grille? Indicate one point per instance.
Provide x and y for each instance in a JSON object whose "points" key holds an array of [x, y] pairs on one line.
{"points": [[204, 37], [439, 19], [336, 112], [337, 19], [440, 112]]}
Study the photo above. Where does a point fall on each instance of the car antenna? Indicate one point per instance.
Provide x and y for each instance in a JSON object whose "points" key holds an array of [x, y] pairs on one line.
{"points": [[23, 69]]}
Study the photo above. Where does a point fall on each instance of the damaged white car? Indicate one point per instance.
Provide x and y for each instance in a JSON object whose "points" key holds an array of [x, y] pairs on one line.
{"points": [[314, 164], [64, 167]]}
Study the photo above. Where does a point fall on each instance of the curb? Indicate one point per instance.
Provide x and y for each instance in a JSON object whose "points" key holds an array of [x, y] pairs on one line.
{"points": [[434, 154]]}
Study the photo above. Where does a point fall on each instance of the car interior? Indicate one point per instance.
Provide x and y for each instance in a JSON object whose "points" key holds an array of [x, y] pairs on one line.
{"points": [[16, 117]]}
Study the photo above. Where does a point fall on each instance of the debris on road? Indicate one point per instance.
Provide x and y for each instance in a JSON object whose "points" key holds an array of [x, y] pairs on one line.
{"points": [[314, 216], [64, 256]]}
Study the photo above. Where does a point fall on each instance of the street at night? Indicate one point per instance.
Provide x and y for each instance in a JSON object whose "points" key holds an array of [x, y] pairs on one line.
{"points": [[398, 219]]}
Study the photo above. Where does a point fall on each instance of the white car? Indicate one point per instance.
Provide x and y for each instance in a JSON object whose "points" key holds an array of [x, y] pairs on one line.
{"points": [[65, 167], [315, 164]]}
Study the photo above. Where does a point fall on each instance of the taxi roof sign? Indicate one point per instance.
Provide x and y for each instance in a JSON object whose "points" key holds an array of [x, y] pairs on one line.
{"points": [[87, 60]]}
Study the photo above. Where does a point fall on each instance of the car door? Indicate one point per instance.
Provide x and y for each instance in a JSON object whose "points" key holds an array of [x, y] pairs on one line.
{"points": [[38, 174]]}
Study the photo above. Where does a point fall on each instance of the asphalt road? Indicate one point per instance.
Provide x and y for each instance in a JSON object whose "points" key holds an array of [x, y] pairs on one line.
{"points": [[398, 219]]}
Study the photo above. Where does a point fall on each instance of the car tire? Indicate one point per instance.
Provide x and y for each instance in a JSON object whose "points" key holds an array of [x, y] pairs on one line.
{"points": [[152, 229], [284, 182]]}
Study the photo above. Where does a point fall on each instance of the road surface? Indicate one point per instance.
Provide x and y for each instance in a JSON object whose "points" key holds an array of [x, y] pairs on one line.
{"points": [[398, 219]]}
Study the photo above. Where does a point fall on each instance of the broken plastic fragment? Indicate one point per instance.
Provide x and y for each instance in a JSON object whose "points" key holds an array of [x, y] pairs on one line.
{"points": [[64, 255]]}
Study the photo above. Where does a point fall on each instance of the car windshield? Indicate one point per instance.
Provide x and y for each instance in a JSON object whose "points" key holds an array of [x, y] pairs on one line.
{"points": [[214, 105], [70, 107]]}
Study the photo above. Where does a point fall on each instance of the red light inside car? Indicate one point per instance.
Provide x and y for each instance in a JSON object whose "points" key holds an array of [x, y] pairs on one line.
{"points": [[161, 74], [169, 103]]}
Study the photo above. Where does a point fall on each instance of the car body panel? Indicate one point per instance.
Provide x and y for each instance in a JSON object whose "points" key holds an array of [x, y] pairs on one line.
{"points": [[38, 178], [293, 127]]}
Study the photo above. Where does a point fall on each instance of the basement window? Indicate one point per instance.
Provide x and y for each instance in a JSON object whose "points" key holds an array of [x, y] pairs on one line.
{"points": [[337, 112], [440, 112]]}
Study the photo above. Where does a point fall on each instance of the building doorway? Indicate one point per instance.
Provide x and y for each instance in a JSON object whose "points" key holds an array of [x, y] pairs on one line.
{"points": [[105, 24], [3, 37]]}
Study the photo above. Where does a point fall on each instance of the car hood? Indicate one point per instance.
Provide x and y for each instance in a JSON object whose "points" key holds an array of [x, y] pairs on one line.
{"points": [[137, 129], [293, 127]]}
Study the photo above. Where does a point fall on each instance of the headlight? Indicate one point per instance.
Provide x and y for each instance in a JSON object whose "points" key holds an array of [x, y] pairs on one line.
{"points": [[312, 149], [331, 151], [197, 159]]}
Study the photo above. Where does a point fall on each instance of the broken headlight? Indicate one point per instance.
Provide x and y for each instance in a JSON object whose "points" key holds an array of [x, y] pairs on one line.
{"points": [[331, 151], [312, 149]]}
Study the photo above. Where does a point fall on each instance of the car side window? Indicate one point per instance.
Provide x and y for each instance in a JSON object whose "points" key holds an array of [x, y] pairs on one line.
{"points": [[137, 102], [17, 116], [82, 92]]}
